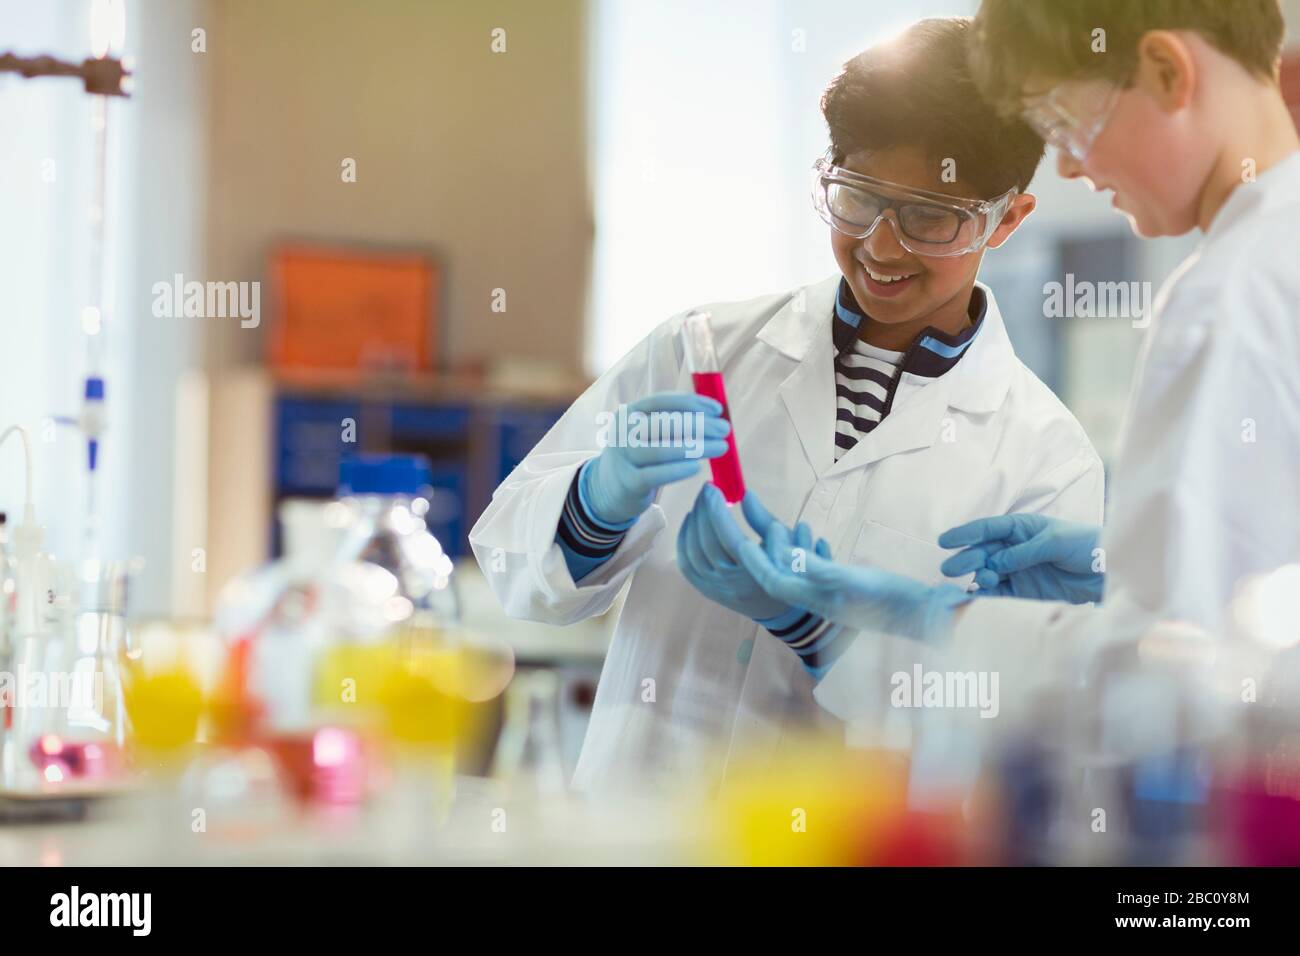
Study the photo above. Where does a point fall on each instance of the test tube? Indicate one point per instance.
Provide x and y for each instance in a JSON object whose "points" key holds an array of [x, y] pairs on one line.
{"points": [[706, 376]]}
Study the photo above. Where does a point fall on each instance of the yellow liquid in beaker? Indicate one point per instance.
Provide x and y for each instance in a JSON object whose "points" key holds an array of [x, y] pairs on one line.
{"points": [[410, 691], [164, 707]]}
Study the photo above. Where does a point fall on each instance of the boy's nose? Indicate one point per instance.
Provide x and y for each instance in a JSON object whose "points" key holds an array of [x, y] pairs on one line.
{"points": [[882, 244], [1067, 166]]}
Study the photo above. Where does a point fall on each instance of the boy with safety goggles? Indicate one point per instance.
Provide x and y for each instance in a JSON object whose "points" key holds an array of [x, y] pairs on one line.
{"points": [[871, 410], [1174, 107]]}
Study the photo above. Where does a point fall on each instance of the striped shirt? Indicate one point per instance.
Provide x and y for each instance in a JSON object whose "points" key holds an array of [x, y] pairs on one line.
{"points": [[585, 541], [814, 640], [866, 376], [863, 376]]}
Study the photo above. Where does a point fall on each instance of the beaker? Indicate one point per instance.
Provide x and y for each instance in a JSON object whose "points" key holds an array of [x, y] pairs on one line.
{"points": [[528, 758]]}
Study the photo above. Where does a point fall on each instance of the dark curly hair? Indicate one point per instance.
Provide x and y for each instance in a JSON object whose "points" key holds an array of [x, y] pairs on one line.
{"points": [[917, 90]]}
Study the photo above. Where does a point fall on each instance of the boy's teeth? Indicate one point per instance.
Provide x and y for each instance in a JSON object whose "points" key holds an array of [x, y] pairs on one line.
{"points": [[885, 279]]}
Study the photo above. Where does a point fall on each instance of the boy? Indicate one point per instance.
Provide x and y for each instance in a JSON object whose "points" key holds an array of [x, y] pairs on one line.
{"points": [[877, 407], [1174, 107]]}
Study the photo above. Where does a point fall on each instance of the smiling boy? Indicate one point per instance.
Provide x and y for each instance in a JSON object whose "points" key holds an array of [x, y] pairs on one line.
{"points": [[875, 408], [907, 112]]}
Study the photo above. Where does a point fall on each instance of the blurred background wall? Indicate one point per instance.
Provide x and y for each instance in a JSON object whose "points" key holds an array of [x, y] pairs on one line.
{"points": [[478, 156]]}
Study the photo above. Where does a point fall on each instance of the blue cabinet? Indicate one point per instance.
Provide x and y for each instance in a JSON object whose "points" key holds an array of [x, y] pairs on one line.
{"points": [[515, 432], [310, 441], [472, 448]]}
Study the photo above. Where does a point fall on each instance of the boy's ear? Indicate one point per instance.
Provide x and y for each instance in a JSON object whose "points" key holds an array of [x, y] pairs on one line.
{"points": [[1166, 69], [1016, 213]]}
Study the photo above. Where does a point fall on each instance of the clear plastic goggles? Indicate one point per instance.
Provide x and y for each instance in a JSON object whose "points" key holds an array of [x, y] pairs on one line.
{"points": [[926, 223], [1071, 116]]}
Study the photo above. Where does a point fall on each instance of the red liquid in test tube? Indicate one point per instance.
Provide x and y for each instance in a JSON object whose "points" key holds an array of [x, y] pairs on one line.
{"points": [[706, 375]]}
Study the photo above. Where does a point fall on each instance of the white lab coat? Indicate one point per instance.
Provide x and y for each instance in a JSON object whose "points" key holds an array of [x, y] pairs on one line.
{"points": [[686, 681], [1204, 491]]}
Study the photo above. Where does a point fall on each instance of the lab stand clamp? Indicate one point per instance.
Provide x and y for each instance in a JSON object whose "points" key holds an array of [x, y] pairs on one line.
{"points": [[103, 76]]}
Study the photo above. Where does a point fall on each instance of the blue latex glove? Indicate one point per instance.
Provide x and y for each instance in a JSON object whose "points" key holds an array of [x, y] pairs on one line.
{"points": [[620, 483], [713, 568], [1028, 556], [857, 597]]}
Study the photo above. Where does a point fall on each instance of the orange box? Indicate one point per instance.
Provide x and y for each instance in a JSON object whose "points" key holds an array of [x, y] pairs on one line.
{"points": [[341, 308]]}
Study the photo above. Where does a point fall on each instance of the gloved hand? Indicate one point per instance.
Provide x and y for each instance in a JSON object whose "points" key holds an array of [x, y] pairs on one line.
{"points": [[620, 483], [713, 568], [858, 597], [1028, 556]]}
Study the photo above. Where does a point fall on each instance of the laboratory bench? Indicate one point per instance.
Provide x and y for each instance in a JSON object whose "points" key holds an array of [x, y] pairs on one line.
{"points": [[156, 827]]}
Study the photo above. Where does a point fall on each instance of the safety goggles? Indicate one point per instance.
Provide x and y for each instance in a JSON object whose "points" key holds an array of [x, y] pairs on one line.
{"points": [[926, 223], [1071, 116]]}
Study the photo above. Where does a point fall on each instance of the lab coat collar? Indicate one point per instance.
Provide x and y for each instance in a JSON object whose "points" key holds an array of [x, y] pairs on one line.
{"points": [[1281, 181], [802, 330], [806, 317], [981, 379], [932, 352]]}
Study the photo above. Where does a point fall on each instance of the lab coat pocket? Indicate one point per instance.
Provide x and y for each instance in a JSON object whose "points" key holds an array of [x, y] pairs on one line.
{"points": [[882, 547]]}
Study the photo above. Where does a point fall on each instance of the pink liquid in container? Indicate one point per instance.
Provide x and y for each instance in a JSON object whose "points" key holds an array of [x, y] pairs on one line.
{"points": [[706, 375]]}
